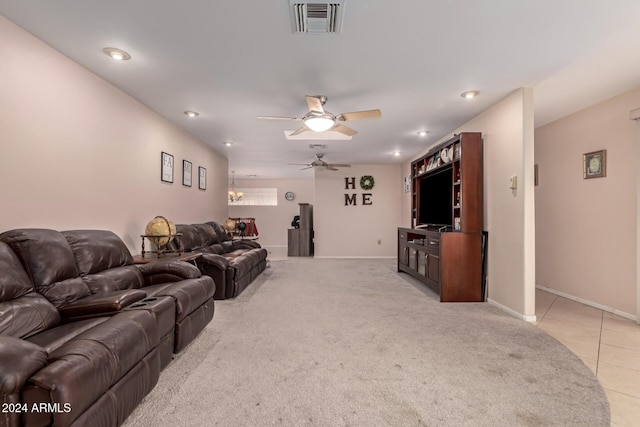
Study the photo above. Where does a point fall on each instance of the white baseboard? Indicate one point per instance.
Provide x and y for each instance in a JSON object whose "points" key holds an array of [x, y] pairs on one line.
{"points": [[511, 311], [354, 257], [589, 303]]}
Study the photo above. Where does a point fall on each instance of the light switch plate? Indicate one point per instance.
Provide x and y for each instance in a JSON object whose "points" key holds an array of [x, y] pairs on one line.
{"points": [[513, 182]]}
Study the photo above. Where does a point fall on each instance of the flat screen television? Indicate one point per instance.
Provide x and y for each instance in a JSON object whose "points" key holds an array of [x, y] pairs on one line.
{"points": [[436, 199]]}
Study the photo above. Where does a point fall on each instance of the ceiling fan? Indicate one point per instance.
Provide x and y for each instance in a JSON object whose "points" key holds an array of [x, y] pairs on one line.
{"points": [[320, 120], [319, 163]]}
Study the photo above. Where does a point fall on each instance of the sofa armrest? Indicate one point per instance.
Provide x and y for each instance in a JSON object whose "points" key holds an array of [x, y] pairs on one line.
{"points": [[101, 304], [179, 269], [213, 260], [19, 360]]}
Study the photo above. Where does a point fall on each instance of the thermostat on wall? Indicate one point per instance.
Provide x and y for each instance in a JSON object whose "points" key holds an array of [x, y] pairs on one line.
{"points": [[289, 195]]}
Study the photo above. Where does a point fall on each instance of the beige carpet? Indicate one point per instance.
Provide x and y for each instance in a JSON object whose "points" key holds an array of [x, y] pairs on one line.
{"points": [[353, 343]]}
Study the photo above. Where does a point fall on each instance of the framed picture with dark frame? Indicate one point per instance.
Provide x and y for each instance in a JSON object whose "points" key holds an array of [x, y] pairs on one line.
{"points": [[594, 164], [186, 173], [166, 167], [202, 178]]}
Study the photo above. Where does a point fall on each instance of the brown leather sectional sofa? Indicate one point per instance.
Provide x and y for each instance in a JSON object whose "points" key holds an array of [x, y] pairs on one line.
{"points": [[233, 264], [84, 333]]}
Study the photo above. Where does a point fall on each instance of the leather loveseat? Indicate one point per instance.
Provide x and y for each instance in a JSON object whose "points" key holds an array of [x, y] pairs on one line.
{"points": [[84, 330], [233, 264]]}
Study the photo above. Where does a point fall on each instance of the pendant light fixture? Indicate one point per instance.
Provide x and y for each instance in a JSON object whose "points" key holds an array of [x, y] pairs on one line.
{"points": [[233, 196]]}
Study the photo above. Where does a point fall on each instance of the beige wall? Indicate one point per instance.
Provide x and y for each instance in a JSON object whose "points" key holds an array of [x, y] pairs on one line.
{"points": [[79, 153], [274, 221], [507, 130], [354, 230], [586, 228]]}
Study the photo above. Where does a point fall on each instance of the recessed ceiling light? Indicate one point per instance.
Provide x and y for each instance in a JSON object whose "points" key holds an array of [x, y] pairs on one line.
{"points": [[117, 54], [227, 144], [470, 94], [396, 153], [423, 133], [192, 113]]}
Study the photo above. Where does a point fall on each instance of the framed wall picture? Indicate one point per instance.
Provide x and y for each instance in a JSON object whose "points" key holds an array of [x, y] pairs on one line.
{"points": [[202, 178], [186, 173], [407, 184], [166, 167], [594, 164]]}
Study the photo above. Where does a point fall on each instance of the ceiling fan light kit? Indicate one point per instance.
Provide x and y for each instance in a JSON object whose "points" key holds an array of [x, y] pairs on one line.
{"points": [[319, 120], [318, 123], [319, 163]]}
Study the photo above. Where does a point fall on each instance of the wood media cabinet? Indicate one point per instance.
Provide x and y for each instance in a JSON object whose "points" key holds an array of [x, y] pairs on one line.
{"points": [[445, 248]]}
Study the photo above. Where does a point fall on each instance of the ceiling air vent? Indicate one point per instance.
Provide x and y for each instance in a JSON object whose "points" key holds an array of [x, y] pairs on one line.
{"points": [[317, 17]]}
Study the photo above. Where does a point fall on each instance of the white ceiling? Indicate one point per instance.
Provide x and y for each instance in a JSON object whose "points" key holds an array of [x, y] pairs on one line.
{"points": [[234, 60]]}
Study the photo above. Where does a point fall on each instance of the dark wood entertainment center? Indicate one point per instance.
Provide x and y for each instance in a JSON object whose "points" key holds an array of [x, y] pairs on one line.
{"points": [[444, 249]]}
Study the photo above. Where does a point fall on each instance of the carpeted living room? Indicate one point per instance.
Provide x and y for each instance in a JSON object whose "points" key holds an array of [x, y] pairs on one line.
{"points": [[432, 258]]}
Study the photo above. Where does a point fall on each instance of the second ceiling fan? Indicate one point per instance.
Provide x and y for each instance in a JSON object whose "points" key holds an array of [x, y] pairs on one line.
{"points": [[319, 163], [320, 120]]}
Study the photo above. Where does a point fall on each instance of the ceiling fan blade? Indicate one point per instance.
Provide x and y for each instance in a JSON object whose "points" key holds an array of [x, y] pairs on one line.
{"points": [[339, 165], [329, 167], [299, 131], [308, 167], [359, 115], [343, 130], [277, 118], [314, 103], [299, 164]]}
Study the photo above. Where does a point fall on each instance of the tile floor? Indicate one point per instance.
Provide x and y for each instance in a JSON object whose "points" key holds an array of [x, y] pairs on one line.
{"points": [[608, 344]]}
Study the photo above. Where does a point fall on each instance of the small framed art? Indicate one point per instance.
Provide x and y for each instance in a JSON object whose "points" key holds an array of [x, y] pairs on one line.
{"points": [[202, 178], [594, 164], [186, 173], [166, 167], [407, 184]]}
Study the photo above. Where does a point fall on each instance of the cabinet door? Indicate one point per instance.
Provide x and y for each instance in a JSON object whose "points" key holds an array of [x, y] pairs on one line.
{"points": [[413, 259], [422, 263], [403, 255], [433, 267]]}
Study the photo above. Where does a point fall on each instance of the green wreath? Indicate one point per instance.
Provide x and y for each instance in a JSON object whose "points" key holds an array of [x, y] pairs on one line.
{"points": [[367, 182]]}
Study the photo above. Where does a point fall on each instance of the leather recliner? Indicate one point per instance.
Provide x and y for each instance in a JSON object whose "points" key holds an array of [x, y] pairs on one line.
{"points": [[92, 371], [233, 264], [88, 273]]}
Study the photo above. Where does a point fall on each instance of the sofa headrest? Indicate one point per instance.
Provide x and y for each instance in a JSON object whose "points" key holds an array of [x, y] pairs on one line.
{"points": [[23, 311], [48, 260], [97, 250], [195, 237], [14, 281], [207, 234], [189, 241], [220, 231]]}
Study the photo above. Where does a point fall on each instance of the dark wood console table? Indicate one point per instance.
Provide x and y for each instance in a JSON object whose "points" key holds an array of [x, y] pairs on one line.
{"points": [[450, 263]]}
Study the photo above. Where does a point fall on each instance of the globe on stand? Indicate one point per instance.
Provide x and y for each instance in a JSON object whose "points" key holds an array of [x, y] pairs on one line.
{"points": [[230, 226], [161, 227], [242, 226]]}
